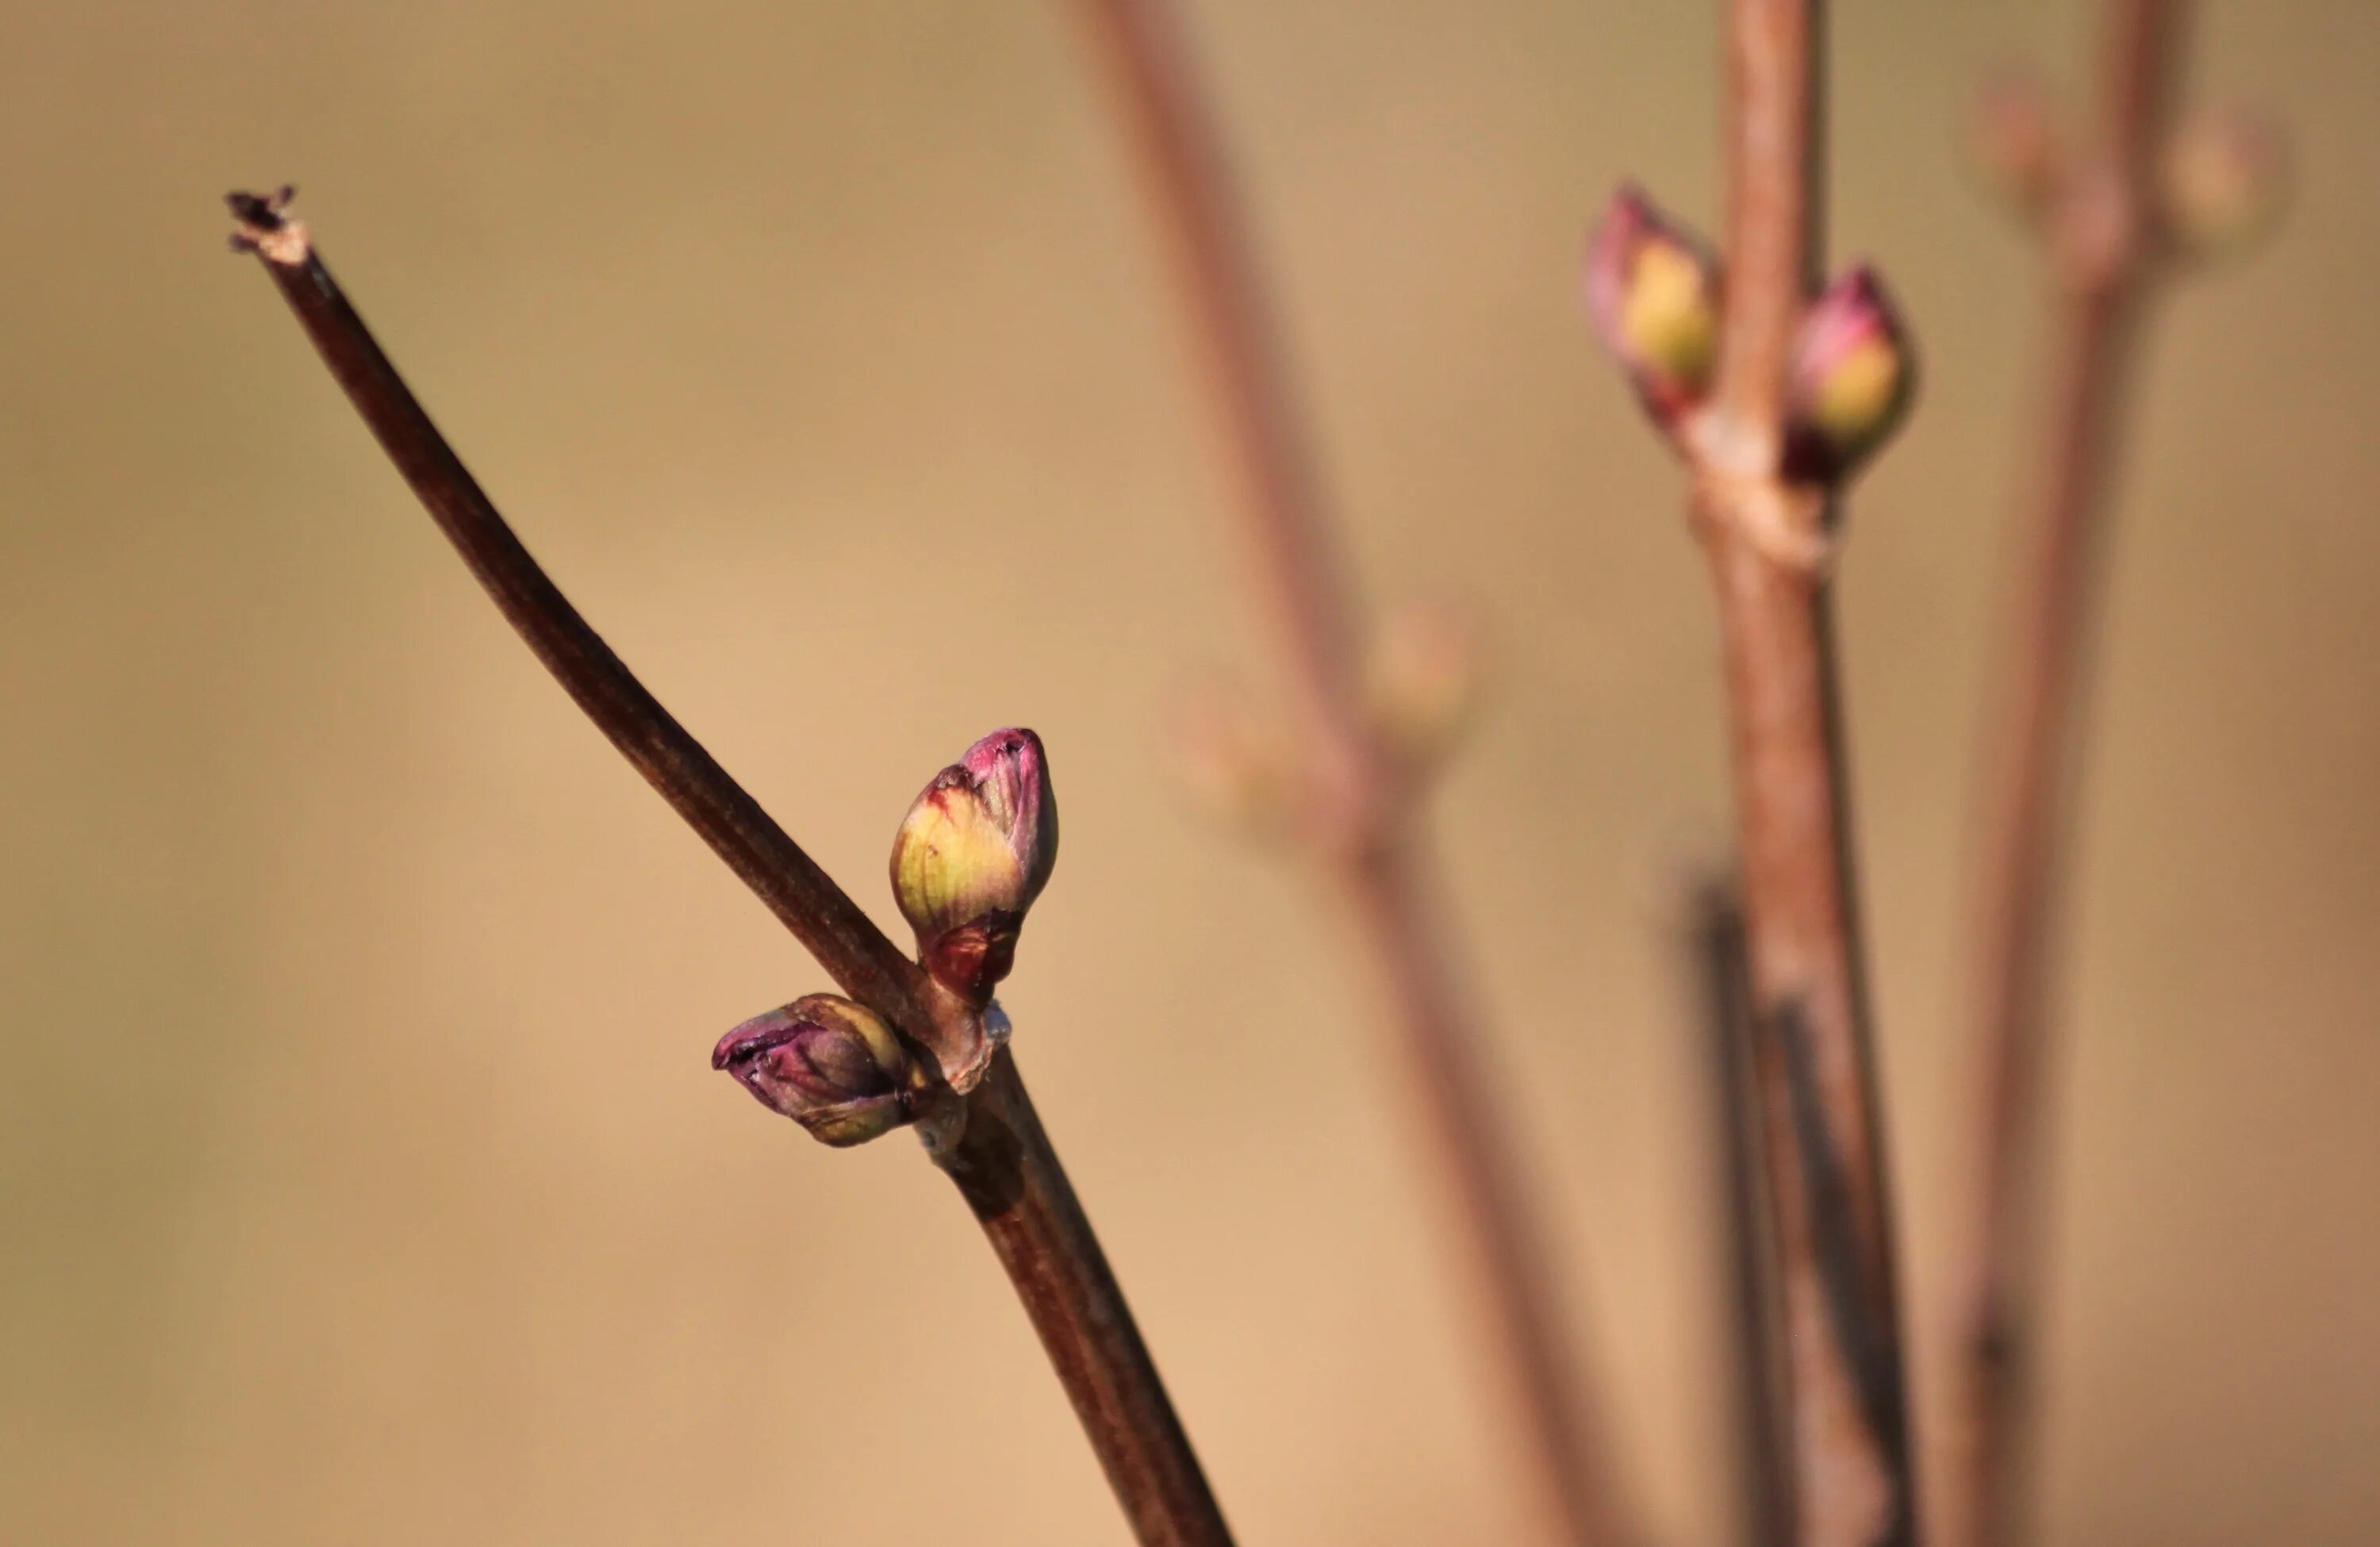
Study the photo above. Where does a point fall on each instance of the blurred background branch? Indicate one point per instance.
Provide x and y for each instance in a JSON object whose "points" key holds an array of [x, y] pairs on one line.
{"points": [[2112, 214], [1717, 981], [1774, 392], [1353, 811]]}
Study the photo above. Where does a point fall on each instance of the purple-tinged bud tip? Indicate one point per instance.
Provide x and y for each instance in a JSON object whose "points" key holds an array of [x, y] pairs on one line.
{"points": [[1849, 385], [830, 1065], [975, 849], [1653, 293]]}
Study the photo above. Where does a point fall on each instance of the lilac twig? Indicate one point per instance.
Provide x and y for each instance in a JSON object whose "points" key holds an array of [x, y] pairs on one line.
{"points": [[1000, 1159]]}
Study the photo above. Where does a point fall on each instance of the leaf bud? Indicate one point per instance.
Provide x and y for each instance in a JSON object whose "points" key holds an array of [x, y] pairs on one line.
{"points": [[830, 1065], [975, 850], [1849, 383], [2224, 182], [1424, 680], [1653, 293], [1236, 762], [2011, 139]]}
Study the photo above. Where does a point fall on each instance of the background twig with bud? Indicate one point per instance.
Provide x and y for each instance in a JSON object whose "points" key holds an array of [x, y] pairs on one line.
{"points": [[1659, 302], [1341, 778], [2115, 216], [1798, 390]]}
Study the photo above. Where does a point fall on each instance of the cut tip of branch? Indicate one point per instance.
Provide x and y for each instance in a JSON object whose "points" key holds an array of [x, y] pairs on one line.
{"points": [[266, 227]]}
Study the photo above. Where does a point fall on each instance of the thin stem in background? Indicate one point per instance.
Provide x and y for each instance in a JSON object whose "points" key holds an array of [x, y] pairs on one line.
{"points": [[2104, 245], [1717, 973], [1830, 1224], [1360, 834], [1002, 1160]]}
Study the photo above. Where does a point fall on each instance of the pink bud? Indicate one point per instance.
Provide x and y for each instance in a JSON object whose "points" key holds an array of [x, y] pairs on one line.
{"points": [[1653, 293], [1850, 381]]}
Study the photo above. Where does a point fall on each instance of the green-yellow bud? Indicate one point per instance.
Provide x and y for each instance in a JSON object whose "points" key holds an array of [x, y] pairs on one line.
{"points": [[975, 849], [1850, 378], [1653, 293]]}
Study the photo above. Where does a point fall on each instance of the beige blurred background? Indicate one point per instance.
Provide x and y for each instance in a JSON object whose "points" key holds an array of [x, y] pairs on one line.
{"points": [[362, 1177]]}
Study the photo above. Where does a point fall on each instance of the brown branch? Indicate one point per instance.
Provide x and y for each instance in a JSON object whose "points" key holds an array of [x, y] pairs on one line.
{"points": [[2105, 249], [1358, 831], [1830, 1220], [1010, 1175], [1002, 1160], [1718, 971], [829, 924]]}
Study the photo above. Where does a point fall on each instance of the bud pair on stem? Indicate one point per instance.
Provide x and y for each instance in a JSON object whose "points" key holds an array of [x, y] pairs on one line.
{"points": [[975, 851], [2218, 187], [1657, 298]]}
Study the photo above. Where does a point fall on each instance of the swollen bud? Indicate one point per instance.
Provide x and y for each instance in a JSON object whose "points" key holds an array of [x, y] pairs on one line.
{"points": [[1424, 680], [1653, 293], [1234, 761], [1850, 381], [2224, 181], [828, 1064], [975, 849], [2012, 139]]}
